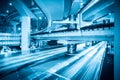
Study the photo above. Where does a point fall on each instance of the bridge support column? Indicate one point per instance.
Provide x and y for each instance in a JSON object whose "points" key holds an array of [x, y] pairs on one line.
{"points": [[93, 43], [71, 48], [25, 39], [117, 41], [14, 29], [72, 25]]}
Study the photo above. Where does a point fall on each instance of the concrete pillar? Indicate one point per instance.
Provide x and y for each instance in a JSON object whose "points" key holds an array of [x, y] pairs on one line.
{"points": [[72, 26], [14, 24], [92, 43], [80, 20], [14, 29], [71, 48], [25, 41], [87, 44], [104, 21], [117, 41]]}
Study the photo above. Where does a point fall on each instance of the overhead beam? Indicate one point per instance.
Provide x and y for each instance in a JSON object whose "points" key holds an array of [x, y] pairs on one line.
{"points": [[104, 12], [65, 22], [44, 9], [107, 34], [22, 8], [80, 38], [92, 11], [67, 8]]}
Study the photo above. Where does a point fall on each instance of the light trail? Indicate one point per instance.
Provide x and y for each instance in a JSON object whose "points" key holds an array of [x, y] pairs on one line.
{"points": [[20, 62], [59, 66], [72, 70]]}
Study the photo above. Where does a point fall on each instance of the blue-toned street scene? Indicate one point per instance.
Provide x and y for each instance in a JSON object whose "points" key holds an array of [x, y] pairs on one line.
{"points": [[59, 40]]}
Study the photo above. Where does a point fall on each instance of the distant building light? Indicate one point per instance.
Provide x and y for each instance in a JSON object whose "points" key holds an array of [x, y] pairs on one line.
{"points": [[40, 18], [109, 13], [7, 11], [19, 28], [49, 31], [81, 4], [36, 30], [10, 4]]}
